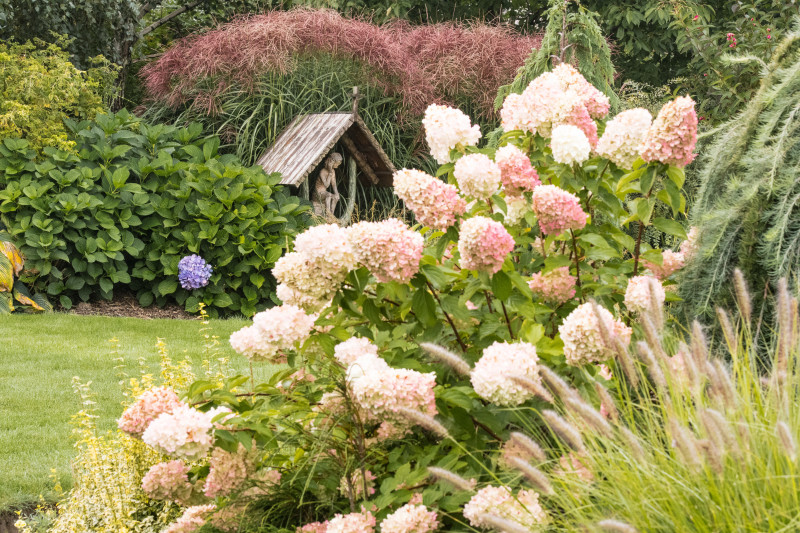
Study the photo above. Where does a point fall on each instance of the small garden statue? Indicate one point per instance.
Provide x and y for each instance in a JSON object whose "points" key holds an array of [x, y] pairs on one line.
{"points": [[323, 200]]}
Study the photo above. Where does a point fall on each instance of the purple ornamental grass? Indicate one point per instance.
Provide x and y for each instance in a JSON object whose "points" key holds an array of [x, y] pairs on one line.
{"points": [[194, 272]]}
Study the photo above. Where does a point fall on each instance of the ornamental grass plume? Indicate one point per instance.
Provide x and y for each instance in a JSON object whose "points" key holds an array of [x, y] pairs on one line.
{"points": [[491, 375], [443, 355], [484, 244], [557, 286], [534, 476], [516, 171], [673, 135], [389, 249], [533, 385], [448, 129], [452, 478], [624, 137], [557, 210], [433, 202], [477, 176], [531, 448]]}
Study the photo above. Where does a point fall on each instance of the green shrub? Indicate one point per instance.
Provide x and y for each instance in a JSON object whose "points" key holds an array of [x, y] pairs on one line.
{"points": [[13, 294], [130, 201], [39, 88]]}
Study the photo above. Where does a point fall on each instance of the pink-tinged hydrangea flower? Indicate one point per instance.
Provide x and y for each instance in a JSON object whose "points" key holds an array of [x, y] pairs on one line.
{"points": [[247, 342], [624, 137], [556, 286], [447, 128], [557, 210], [477, 176], [357, 481], [327, 245], [484, 244], [516, 171], [349, 351], [671, 263], [168, 481], [411, 518], [146, 408], [185, 433], [596, 103], [572, 465], [277, 329], [579, 118], [583, 339], [491, 376], [673, 135], [192, 519], [499, 501], [389, 249], [570, 145], [690, 246], [362, 522], [228, 471], [314, 527], [513, 114], [434, 203], [304, 300], [640, 292]]}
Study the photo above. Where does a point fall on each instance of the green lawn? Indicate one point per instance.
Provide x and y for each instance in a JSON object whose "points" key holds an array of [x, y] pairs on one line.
{"points": [[40, 354]]}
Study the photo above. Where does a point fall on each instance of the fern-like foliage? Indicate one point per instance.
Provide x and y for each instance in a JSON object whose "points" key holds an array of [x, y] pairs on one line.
{"points": [[748, 204], [572, 36]]}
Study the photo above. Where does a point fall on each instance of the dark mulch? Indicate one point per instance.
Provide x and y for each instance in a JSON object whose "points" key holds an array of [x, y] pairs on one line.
{"points": [[7, 520], [126, 305]]}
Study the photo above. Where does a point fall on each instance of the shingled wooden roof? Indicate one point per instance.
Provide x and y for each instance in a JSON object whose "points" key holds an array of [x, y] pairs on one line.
{"points": [[308, 139]]}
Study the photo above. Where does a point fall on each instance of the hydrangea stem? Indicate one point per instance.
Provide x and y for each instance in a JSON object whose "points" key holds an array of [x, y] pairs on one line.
{"points": [[577, 262], [447, 316]]}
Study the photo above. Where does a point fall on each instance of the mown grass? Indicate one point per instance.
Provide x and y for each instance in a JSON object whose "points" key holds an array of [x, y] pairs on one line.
{"points": [[40, 355]]}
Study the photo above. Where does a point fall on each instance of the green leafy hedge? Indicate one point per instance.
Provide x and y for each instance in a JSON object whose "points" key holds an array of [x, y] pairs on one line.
{"points": [[131, 201]]}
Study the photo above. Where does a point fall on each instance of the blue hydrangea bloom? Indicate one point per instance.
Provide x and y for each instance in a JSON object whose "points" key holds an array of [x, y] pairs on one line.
{"points": [[194, 272]]}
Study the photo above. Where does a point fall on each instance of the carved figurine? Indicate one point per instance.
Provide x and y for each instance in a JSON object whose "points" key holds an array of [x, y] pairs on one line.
{"points": [[323, 200]]}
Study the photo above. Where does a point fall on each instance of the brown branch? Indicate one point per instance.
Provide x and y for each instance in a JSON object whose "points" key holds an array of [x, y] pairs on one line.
{"points": [[157, 24], [637, 249], [447, 316], [508, 322], [577, 262], [486, 429]]}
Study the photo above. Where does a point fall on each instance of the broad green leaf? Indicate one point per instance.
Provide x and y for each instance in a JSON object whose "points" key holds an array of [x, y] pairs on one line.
{"points": [[501, 285], [670, 227]]}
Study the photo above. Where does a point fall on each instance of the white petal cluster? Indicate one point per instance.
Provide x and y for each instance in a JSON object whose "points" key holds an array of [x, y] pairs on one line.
{"points": [[624, 137], [447, 128], [570, 145], [583, 338], [641, 291], [491, 375], [477, 176], [349, 351], [185, 433]]}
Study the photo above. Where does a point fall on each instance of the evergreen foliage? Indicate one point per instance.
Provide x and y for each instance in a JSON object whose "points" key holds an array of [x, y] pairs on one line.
{"points": [[748, 204]]}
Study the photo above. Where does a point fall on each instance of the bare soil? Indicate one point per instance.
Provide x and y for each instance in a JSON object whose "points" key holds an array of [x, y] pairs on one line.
{"points": [[126, 305]]}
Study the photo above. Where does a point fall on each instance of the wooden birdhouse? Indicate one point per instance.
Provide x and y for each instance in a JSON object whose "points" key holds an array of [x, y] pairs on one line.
{"points": [[325, 157]]}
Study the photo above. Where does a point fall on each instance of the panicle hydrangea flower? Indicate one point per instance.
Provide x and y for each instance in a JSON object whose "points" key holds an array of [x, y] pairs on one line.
{"points": [[304, 284], [146, 408], [328, 246], [624, 137], [357, 482], [557, 210], [491, 376], [570, 145], [673, 135], [228, 471], [411, 518], [247, 342], [556, 286], [690, 246], [638, 294], [596, 103], [168, 481], [516, 171], [194, 272], [447, 128], [583, 339], [362, 522], [184, 433], [434, 203], [671, 263], [499, 501], [516, 207], [579, 118], [192, 519], [484, 244], [276, 329], [314, 527], [477, 176], [513, 113], [389, 249], [349, 351], [571, 464]]}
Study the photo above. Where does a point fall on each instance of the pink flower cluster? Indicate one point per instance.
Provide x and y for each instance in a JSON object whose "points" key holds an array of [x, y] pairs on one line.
{"points": [[557, 210], [349, 351], [491, 375], [484, 244], [314, 527], [499, 501], [309, 276], [192, 519], [389, 249], [595, 102], [434, 203], [477, 176], [571, 464], [273, 331], [411, 518], [673, 135], [363, 522], [228, 471], [357, 480], [641, 291], [146, 408], [516, 171], [184, 433], [583, 339], [624, 137], [690, 246], [570, 145], [447, 128], [674, 261], [556, 286], [168, 481]]}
